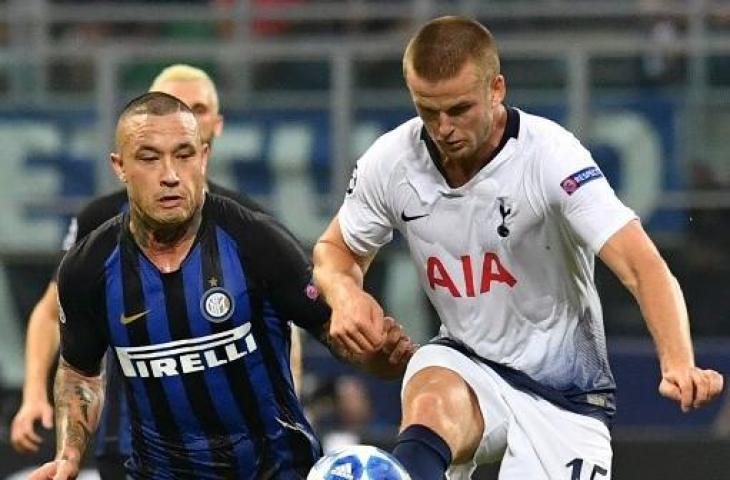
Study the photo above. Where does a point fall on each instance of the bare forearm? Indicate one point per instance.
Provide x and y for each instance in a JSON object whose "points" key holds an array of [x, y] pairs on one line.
{"points": [[357, 318], [632, 256], [41, 346], [79, 400], [335, 271], [663, 307]]}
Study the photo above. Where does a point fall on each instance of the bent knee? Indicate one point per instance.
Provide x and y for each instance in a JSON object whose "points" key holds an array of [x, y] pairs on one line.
{"points": [[441, 400], [429, 406]]}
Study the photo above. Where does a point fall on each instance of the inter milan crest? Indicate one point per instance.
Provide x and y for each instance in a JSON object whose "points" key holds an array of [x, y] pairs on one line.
{"points": [[217, 305]]}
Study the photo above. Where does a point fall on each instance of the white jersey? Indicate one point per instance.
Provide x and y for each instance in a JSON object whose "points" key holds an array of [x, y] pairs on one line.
{"points": [[506, 259]]}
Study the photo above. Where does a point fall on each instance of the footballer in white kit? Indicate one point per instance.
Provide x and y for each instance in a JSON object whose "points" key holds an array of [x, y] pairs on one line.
{"points": [[507, 261], [503, 213]]}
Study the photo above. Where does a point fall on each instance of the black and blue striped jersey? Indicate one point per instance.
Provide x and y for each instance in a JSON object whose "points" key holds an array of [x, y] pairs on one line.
{"points": [[204, 350], [113, 436]]}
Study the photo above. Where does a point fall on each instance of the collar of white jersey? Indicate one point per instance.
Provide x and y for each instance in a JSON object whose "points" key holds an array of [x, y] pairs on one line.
{"points": [[427, 177]]}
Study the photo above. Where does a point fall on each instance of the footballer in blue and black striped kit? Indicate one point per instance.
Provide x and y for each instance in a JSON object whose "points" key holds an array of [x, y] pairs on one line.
{"points": [[204, 349], [113, 442], [194, 294]]}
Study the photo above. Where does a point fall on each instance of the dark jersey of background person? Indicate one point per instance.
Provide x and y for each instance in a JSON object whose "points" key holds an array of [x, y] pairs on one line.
{"points": [[204, 350], [113, 436]]}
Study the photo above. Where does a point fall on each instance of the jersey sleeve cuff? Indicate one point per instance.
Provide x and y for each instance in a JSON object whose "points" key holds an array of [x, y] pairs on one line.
{"points": [[616, 223], [358, 246]]}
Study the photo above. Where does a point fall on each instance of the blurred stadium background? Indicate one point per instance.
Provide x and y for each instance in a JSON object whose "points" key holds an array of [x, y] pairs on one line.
{"points": [[306, 85]]}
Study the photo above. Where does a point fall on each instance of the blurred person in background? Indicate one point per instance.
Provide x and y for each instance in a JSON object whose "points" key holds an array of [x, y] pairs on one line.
{"points": [[352, 419], [504, 213], [194, 294], [194, 87]]}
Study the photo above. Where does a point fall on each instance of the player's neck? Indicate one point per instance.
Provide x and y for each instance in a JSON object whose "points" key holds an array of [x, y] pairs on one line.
{"points": [[165, 246]]}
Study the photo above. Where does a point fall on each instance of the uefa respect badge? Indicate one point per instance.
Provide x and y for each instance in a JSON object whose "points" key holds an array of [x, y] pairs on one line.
{"points": [[581, 177]]}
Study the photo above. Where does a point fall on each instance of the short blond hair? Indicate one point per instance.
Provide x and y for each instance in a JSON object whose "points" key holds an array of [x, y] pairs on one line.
{"points": [[442, 46], [181, 72]]}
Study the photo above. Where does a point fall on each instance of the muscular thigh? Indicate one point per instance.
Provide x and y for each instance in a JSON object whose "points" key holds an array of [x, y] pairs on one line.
{"points": [[468, 420], [533, 438], [440, 399]]}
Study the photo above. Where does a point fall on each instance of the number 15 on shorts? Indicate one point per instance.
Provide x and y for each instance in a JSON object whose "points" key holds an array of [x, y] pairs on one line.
{"points": [[576, 469]]}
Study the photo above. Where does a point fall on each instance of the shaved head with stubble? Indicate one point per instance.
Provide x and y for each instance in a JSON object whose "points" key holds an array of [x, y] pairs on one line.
{"points": [[162, 160]]}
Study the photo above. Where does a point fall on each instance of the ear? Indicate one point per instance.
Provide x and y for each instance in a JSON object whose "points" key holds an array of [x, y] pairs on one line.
{"points": [[218, 127], [498, 88], [118, 166], [205, 150]]}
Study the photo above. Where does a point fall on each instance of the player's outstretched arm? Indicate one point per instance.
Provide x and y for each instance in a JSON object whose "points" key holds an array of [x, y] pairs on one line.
{"points": [[79, 399], [357, 323], [632, 256], [41, 348]]}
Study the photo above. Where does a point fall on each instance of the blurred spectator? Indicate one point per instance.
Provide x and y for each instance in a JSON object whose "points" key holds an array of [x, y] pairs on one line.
{"points": [[263, 27], [344, 415], [659, 60], [266, 27]]}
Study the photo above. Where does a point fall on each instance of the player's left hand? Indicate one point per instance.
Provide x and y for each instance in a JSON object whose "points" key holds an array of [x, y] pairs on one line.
{"points": [[692, 387]]}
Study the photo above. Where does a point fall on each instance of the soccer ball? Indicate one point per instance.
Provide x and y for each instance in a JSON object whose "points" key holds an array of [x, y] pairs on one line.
{"points": [[358, 462]]}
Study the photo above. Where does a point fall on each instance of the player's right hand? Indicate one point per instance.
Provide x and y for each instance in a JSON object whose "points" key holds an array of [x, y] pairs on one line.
{"points": [[691, 387], [23, 436], [56, 470], [358, 324]]}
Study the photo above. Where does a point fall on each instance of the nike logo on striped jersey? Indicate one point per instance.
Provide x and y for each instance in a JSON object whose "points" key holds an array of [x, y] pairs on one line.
{"points": [[126, 320]]}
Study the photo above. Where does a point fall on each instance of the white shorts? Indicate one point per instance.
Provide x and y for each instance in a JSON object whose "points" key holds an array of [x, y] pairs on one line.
{"points": [[535, 439]]}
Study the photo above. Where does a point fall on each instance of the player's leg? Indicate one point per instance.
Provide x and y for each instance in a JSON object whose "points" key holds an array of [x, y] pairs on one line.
{"points": [[444, 399], [441, 424]]}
